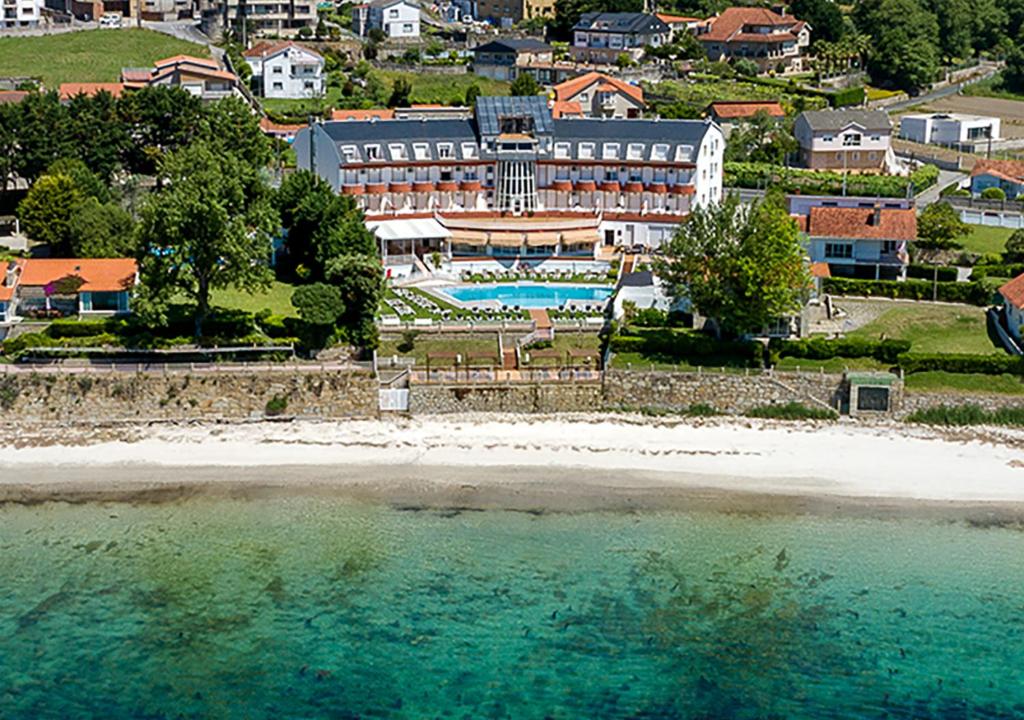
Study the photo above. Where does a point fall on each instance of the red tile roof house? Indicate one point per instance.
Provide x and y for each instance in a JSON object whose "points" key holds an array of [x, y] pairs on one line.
{"points": [[201, 77], [868, 243], [45, 287], [730, 113], [1007, 175], [773, 40], [600, 95], [1013, 305]]}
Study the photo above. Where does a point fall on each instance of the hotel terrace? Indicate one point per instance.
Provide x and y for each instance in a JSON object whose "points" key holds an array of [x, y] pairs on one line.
{"points": [[510, 181]]}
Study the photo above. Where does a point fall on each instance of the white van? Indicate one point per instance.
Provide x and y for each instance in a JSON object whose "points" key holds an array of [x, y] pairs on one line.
{"points": [[110, 20]]}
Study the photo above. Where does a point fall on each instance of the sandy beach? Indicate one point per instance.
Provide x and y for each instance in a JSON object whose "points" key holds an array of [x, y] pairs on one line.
{"points": [[536, 457]]}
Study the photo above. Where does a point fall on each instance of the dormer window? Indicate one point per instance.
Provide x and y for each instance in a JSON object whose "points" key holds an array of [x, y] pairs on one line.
{"points": [[635, 151], [660, 152], [561, 150], [421, 151], [444, 151], [468, 150], [610, 151], [373, 152], [586, 150], [851, 140], [397, 151]]}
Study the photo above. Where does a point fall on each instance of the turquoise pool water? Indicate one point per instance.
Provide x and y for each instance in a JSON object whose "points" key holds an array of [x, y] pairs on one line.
{"points": [[530, 295], [321, 608]]}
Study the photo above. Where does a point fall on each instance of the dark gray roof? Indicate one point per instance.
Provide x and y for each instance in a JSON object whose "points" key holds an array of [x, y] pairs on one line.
{"points": [[513, 45], [490, 109], [387, 133], [838, 119], [689, 132], [621, 23]]}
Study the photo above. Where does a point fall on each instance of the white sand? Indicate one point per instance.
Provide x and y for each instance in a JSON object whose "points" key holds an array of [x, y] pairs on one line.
{"points": [[882, 461]]}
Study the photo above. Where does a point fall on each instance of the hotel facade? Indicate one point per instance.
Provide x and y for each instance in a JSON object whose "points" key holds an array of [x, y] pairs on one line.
{"points": [[582, 183]]}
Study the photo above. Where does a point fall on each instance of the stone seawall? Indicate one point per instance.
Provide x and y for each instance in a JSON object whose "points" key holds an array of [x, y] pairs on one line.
{"points": [[511, 398], [913, 401], [99, 396]]}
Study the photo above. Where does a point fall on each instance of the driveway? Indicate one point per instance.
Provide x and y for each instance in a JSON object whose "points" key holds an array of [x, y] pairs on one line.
{"points": [[931, 195]]}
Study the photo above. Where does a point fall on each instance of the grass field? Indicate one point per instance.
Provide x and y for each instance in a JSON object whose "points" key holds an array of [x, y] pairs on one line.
{"points": [[985, 239], [444, 89], [278, 299], [965, 383], [88, 55], [832, 365], [933, 328], [463, 345]]}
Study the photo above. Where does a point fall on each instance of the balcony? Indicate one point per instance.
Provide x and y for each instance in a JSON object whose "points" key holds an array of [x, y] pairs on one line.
{"points": [[683, 189], [400, 187], [633, 186], [585, 186], [447, 186], [561, 185], [657, 187], [611, 186], [423, 186], [470, 186], [376, 188], [353, 189]]}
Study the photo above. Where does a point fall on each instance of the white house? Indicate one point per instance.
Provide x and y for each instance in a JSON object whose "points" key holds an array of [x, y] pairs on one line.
{"points": [[850, 139], [868, 243], [1013, 305], [949, 129], [395, 18], [20, 13], [286, 70]]}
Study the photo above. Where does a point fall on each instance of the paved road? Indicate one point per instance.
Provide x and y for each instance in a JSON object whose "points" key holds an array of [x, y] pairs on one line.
{"points": [[186, 30], [931, 195], [991, 70]]}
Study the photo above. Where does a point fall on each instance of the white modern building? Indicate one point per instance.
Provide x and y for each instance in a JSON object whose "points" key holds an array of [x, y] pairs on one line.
{"points": [[286, 70], [20, 13], [395, 18], [949, 129]]}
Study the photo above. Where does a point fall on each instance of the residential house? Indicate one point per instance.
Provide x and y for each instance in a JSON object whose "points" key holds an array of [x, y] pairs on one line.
{"points": [[1013, 306], [286, 70], [12, 96], [600, 95], [280, 131], [860, 242], [505, 59], [262, 17], [20, 13], [581, 182], [771, 38], [165, 10], [397, 19], [377, 114], [602, 37], [77, 286], [199, 76], [679, 24], [852, 140], [956, 130], [70, 90], [1007, 175], [506, 13], [730, 113]]}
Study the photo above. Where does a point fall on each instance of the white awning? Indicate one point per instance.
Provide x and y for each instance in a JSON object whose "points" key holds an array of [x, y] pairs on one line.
{"points": [[412, 229]]}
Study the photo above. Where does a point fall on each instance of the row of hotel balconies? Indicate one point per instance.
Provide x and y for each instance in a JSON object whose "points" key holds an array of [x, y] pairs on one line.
{"points": [[474, 186]]}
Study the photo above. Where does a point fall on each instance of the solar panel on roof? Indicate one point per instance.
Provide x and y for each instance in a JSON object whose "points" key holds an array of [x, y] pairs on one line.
{"points": [[490, 110]]}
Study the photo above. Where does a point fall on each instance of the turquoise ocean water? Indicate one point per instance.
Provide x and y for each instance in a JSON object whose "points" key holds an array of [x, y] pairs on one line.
{"points": [[313, 607]]}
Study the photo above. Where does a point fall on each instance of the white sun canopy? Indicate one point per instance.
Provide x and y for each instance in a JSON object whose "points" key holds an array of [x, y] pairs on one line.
{"points": [[412, 229]]}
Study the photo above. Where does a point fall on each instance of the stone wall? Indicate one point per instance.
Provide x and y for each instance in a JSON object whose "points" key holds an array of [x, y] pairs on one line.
{"points": [[913, 401], [100, 396], [512, 398]]}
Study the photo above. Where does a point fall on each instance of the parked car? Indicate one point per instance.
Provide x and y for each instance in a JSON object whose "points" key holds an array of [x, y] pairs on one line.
{"points": [[110, 20]]}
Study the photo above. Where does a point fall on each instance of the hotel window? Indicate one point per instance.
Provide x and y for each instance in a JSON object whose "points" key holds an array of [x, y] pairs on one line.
{"points": [[373, 152], [444, 151], [610, 151], [827, 138], [635, 151], [468, 150], [278, 69], [659, 152], [420, 151], [586, 150], [839, 251], [397, 152], [350, 154], [684, 153], [561, 150], [851, 140]]}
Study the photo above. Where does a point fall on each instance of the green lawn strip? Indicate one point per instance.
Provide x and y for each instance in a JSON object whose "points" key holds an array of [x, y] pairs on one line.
{"points": [[831, 365], [278, 299], [967, 383], [423, 344], [564, 341], [984, 239], [933, 328], [88, 55], [638, 362], [441, 88], [301, 108]]}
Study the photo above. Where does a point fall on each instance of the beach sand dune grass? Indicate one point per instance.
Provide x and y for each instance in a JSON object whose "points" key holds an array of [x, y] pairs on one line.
{"points": [[88, 55]]}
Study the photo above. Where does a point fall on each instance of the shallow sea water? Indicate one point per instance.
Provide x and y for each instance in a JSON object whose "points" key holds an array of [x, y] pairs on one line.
{"points": [[314, 607]]}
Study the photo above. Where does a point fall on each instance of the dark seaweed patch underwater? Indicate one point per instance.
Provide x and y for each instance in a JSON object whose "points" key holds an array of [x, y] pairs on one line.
{"points": [[301, 607]]}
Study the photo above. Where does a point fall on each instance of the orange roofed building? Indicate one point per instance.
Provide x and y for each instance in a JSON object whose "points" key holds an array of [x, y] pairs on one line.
{"points": [[77, 286], [730, 113], [201, 77], [89, 89], [774, 40], [598, 96], [862, 242]]}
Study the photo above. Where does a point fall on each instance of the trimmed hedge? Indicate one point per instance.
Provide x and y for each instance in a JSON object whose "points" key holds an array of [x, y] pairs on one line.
{"points": [[815, 182], [961, 363], [1008, 270], [968, 293], [927, 272], [687, 346], [819, 348], [83, 328]]}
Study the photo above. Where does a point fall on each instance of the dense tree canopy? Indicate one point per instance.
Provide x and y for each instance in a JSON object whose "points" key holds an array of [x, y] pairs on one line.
{"points": [[742, 267], [824, 16], [904, 51], [568, 12], [525, 84], [939, 226]]}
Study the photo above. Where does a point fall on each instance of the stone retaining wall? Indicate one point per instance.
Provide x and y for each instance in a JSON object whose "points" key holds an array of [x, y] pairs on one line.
{"points": [[913, 401], [512, 398], [93, 397]]}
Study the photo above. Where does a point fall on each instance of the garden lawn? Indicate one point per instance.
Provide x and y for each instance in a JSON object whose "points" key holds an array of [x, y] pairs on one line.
{"points": [[423, 344], [278, 299], [986, 239], [967, 383], [430, 87], [933, 328], [88, 55], [642, 363], [831, 365]]}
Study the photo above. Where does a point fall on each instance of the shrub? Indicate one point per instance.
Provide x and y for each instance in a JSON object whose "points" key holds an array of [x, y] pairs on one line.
{"points": [[688, 346], [650, 317], [847, 96], [968, 414], [792, 411], [970, 293], [820, 348], [961, 363], [276, 406], [702, 410], [83, 328], [930, 272], [1010, 270], [9, 392], [993, 193], [408, 341]]}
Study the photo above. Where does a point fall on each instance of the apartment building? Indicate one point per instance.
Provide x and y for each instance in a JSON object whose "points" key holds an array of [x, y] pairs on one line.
{"points": [[286, 70], [849, 140]]}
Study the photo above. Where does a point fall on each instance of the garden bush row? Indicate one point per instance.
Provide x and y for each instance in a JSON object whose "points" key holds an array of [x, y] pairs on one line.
{"points": [[932, 272], [687, 346], [820, 348], [793, 180], [912, 362], [969, 414], [976, 292], [1007, 270]]}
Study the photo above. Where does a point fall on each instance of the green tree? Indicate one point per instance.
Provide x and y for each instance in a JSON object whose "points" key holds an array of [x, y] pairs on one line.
{"points": [[1013, 73], [208, 227], [10, 128], [939, 226], [472, 93], [745, 67], [159, 120], [43, 135], [904, 50], [401, 89], [993, 193], [47, 211], [1014, 251], [824, 16], [101, 230], [524, 84], [319, 303], [744, 268], [98, 134], [361, 283], [85, 180], [762, 139], [229, 125]]}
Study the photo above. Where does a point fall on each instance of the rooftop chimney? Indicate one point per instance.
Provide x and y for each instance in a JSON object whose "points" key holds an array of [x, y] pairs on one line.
{"points": [[876, 216]]}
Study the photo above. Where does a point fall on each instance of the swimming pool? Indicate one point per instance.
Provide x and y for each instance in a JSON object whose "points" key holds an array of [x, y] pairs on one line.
{"points": [[530, 295]]}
